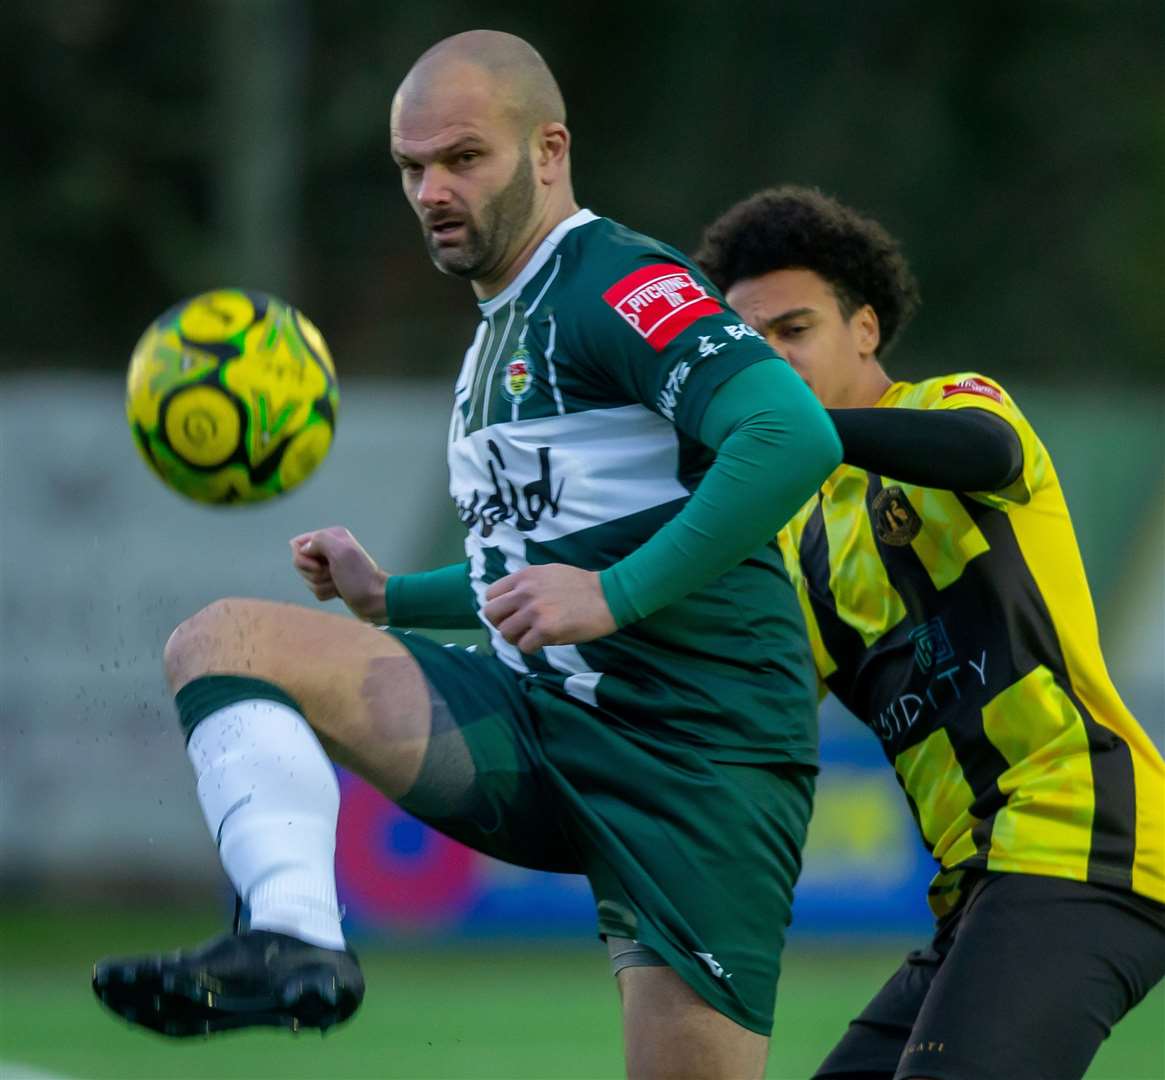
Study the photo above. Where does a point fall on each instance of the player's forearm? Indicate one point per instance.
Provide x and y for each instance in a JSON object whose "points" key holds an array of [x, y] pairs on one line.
{"points": [[434, 599], [953, 449], [775, 446]]}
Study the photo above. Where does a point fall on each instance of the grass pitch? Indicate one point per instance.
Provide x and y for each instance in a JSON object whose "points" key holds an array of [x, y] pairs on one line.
{"points": [[464, 1013]]}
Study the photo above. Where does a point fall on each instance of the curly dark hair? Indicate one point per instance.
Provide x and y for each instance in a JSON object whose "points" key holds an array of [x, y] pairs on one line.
{"points": [[794, 227]]}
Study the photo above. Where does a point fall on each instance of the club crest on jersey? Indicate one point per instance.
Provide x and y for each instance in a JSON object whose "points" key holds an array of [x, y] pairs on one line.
{"points": [[895, 521], [973, 386], [660, 302], [518, 379]]}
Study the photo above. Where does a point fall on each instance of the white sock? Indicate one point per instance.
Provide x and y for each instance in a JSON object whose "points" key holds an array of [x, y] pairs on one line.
{"points": [[271, 801]]}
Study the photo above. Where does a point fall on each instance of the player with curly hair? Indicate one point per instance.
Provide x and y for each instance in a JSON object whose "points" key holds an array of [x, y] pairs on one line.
{"points": [[947, 608]]}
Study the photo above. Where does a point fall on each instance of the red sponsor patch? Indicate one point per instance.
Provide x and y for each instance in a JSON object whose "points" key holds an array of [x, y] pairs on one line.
{"points": [[660, 301], [973, 386]]}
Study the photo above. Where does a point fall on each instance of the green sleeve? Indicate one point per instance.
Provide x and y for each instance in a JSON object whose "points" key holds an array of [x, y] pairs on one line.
{"points": [[435, 599], [774, 447]]}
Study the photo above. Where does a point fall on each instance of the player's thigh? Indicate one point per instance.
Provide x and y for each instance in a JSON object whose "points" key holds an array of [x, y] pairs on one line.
{"points": [[693, 858], [1039, 972], [670, 1031], [360, 690], [443, 732], [873, 1043], [483, 777]]}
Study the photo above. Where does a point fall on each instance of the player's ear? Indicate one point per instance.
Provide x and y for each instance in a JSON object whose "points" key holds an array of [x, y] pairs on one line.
{"points": [[552, 150], [868, 330]]}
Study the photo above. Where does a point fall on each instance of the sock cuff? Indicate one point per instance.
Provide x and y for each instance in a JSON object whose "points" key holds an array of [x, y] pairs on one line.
{"points": [[208, 693]]}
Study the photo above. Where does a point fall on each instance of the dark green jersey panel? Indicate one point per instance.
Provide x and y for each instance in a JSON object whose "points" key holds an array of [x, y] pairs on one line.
{"points": [[573, 439]]}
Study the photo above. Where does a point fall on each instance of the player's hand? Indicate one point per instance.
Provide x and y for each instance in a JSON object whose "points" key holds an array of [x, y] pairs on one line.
{"points": [[333, 564], [549, 605]]}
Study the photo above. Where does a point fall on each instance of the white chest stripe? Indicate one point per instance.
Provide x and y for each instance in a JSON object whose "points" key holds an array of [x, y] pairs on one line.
{"points": [[551, 476], [464, 384], [545, 478], [487, 386], [551, 368], [542, 292]]}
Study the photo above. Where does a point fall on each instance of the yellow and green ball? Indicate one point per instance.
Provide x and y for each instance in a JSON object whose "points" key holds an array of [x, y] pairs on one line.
{"points": [[232, 397]]}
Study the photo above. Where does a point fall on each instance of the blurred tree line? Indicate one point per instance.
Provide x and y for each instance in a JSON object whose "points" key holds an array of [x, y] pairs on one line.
{"points": [[1017, 149]]}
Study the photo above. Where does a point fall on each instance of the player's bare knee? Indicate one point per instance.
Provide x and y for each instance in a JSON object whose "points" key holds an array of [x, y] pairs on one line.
{"points": [[190, 648]]}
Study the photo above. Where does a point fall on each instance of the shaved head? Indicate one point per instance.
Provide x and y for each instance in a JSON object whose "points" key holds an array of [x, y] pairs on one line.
{"points": [[524, 87], [478, 133]]}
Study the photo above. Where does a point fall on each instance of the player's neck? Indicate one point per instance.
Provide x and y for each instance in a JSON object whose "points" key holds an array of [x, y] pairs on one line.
{"points": [[554, 213], [866, 391]]}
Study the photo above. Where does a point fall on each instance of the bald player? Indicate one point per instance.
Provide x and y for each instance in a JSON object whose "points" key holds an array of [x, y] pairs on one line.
{"points": [[622, 450]]}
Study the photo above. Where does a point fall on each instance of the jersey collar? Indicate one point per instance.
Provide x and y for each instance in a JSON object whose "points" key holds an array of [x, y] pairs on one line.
{"points": [[538, 260], [891, 395]]}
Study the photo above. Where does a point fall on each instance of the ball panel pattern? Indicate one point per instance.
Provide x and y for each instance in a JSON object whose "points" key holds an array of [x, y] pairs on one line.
{"points": [[232, 397]]}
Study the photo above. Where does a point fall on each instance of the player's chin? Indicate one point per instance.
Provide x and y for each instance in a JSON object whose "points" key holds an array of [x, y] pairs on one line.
{"points": [[454, 259]]}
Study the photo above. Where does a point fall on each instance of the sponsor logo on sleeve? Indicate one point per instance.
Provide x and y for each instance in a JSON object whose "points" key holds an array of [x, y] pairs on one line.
{"points": [[660, 302], [669, 396], [973, 386], [706, 346]]}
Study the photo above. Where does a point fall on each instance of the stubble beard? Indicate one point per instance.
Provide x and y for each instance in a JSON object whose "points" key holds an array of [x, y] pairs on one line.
{"points": [[488, 243]]}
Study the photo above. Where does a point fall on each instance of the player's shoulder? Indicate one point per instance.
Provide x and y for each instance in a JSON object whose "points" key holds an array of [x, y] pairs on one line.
{"points": [[606, 252], [618, 277], [970, 390], [960, 389], [620, 243], [974, 390]]}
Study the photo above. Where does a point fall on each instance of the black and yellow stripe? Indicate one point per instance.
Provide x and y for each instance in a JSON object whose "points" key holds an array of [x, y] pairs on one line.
{"points": [[960, 628]]}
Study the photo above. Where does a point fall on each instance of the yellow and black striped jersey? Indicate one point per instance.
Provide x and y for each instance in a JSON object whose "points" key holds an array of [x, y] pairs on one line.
{"points": [[959, 627]]}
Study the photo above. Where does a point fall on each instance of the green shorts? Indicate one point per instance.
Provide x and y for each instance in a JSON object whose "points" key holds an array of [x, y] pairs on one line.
{"points": [[694, 858]]}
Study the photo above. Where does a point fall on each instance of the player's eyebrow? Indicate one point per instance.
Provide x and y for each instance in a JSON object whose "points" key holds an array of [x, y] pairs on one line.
{"points": [[462, 143], [775, 321]]}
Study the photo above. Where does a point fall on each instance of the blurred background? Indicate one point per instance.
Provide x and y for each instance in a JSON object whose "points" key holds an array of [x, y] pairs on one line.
{"points": [[153, 151]]}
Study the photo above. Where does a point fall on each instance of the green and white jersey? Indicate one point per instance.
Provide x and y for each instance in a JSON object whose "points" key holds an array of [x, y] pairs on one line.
{"points": [[573, 440]]}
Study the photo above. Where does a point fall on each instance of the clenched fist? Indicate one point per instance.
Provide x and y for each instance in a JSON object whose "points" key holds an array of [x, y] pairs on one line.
{"points": [[333, 564], [552, 604]]}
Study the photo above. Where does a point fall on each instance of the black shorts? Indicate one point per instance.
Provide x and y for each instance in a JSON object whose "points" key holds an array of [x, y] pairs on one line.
{"points": [[1025, 980]]}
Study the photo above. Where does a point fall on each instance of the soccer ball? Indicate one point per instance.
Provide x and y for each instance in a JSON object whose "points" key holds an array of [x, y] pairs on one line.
{"points": [[232, 397]]}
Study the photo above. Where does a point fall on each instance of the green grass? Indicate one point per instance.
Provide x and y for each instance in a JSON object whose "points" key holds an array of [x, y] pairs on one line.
{"points": [[502, 1011]]}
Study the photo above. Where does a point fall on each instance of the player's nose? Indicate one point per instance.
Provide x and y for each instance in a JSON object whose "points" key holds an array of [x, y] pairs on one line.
{"points": [[433, 189]]}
